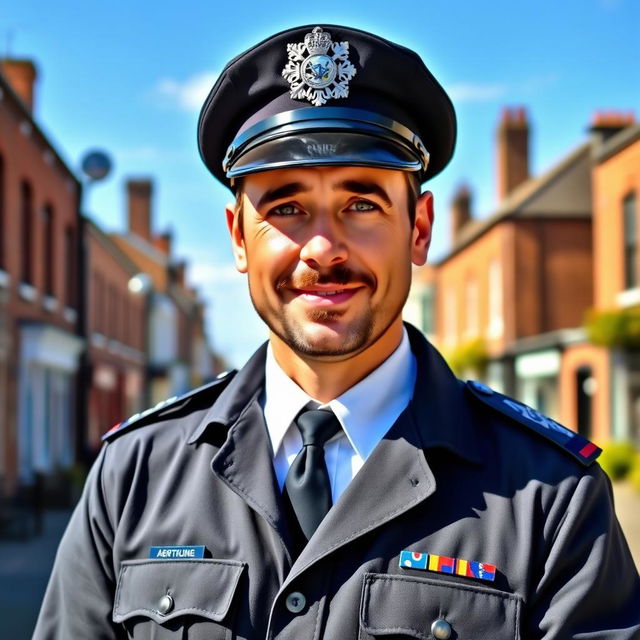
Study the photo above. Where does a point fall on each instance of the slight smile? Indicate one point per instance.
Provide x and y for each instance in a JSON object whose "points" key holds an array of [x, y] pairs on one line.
{"points": [[326, 296]]}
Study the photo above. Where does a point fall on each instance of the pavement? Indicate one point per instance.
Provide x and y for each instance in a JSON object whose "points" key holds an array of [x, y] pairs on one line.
{"points": [[627, 502], [25, 565]]}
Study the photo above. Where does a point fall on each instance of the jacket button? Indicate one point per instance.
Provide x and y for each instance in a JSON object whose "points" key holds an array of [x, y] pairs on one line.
{"points": [[441, 630], [165, 605], [295, 602]]}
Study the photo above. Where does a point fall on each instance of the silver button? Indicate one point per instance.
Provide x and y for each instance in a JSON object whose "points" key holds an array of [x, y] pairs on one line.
{"points": [[295, 602], [441, 630], [165, 605]]}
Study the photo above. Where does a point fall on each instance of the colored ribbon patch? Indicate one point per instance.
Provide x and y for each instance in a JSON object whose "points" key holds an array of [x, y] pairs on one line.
{"points": [[445, 564]]}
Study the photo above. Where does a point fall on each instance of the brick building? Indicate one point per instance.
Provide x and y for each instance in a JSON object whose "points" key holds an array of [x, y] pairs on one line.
{"points": [[117, 335], [610, 368], [39, 296], [511, 294], [179, 357]]}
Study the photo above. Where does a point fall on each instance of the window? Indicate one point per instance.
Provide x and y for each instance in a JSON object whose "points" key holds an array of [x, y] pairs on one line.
{"points": [[471, 302], [26, 232], [496, 322], [113, 312], [70, 267], [450, 318], [630, 241], [48, 244], [97, 299], [428, 305]]}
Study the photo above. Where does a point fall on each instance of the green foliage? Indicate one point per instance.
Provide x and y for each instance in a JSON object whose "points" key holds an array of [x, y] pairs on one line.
{"points": [[634, 475], [617, 459], [470, 357], [614, 328]]}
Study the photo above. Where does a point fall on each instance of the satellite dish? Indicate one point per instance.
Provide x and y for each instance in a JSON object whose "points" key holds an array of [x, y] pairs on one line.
{"points": [[96, 165]]}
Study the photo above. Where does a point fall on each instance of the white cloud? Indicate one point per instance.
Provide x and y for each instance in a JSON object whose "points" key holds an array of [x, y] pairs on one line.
{"points": [[476, 92], [188, 94], [487, 92], [537, 84]]}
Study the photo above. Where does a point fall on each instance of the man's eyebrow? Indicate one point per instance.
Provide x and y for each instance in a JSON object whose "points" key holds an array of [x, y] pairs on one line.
{"points": [[285, 191], [364, 188]]}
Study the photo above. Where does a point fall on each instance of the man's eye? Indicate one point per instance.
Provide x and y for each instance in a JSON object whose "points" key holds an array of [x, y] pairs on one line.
{"points": [[362, 206], [285, 210]]}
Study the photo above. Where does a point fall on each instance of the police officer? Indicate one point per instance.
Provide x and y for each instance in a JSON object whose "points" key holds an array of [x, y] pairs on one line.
{"points": [[344, 484]]}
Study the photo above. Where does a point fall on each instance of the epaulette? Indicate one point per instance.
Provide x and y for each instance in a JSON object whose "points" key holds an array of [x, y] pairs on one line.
{"points": [[212, 390], [575, 444]]}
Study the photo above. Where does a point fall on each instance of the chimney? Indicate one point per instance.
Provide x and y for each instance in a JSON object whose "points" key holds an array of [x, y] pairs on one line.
{"points": [[163, 242], [513, 150], [460, 211], [139, 204], [607, 123], [21, 75], [179, 272]]}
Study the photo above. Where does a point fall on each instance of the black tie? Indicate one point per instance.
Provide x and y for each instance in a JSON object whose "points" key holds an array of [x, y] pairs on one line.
{"points": [[307, 482]]}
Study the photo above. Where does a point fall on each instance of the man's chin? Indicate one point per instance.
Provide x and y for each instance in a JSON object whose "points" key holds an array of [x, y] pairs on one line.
{"points": [[326, 340]]}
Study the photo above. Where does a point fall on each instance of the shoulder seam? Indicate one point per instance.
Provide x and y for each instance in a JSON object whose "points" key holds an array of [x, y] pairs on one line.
{"points": [[141, 419], [576, 445]]}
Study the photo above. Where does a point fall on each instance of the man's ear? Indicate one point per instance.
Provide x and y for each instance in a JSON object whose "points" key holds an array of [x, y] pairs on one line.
{"points": [[234, 222], [421, 238]]}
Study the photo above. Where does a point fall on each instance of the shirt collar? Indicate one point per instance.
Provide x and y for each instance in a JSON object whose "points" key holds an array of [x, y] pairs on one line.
{"points": [[366, 411]]}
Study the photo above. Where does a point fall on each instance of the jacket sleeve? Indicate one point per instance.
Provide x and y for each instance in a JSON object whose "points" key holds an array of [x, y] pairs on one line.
{"points": [[589, 586], [79, 598]]}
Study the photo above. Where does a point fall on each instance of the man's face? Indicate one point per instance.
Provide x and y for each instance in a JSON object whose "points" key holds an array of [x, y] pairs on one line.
{"points": [[328, 254]]}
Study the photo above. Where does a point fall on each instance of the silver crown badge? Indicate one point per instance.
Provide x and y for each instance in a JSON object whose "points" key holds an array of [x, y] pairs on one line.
{"points": [[318, 41], [324, 73]]}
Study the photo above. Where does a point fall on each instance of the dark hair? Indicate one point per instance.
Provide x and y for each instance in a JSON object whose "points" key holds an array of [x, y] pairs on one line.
{"points": [[413, 193]]}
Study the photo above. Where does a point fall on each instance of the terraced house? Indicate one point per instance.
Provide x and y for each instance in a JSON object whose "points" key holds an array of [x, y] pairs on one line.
{"points": [[512, 302]]}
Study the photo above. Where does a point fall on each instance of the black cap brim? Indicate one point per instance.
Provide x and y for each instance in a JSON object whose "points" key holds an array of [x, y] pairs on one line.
{"points": [[322, 148]]}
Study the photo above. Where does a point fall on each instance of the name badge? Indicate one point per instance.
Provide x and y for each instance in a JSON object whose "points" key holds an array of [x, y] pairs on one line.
{"points": [[176, 552]]}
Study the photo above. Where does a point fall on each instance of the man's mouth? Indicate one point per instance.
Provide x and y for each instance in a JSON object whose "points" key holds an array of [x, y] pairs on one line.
{"points": [[326, 297], [325, 293]]}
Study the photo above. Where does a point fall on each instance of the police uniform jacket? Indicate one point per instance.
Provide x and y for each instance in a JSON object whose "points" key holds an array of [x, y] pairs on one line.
{"points": [[455, 476]]}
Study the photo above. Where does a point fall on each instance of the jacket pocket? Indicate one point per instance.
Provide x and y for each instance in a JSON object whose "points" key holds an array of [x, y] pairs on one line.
{"points": [[177, 598], [407, 607]]}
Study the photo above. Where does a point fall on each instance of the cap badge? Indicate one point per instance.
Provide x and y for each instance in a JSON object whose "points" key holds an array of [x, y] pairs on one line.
{"points": [[324, 73]]}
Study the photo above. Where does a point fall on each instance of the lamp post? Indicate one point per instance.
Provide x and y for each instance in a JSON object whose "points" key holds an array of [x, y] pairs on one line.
{"points": [[142, 285], [96, 165]]}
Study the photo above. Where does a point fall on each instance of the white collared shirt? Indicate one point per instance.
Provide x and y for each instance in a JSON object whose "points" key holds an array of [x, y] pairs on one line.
{"points": [[366, 412]]}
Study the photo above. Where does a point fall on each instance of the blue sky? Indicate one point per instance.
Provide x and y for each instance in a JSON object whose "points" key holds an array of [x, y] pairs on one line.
{"points": [[129, 77]]}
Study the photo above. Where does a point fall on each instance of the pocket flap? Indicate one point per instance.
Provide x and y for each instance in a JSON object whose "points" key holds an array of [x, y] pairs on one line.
{"points": [[405, 605], [202, 588]]}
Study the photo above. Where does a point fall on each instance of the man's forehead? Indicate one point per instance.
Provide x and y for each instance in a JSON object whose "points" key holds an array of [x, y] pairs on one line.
{"points": [[335, 178]]}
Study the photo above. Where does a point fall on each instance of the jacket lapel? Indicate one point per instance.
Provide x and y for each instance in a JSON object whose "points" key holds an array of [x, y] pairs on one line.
{"points": [[396, 476], [244, 461], [394, 479]]}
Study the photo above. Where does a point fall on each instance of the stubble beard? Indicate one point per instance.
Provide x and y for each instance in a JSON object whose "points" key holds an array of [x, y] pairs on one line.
{"points": [[357, 335], [361, 332]]}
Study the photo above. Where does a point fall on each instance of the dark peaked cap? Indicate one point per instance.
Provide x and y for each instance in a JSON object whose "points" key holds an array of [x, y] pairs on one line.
{"points": [[396, 114]]}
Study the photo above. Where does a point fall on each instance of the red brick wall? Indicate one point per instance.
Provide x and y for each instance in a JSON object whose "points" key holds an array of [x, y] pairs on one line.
{"points": [[26, 156], [553, 282]]}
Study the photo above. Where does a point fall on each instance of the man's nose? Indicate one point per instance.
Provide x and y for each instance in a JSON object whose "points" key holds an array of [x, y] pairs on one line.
{"points": [[324, 247]]}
